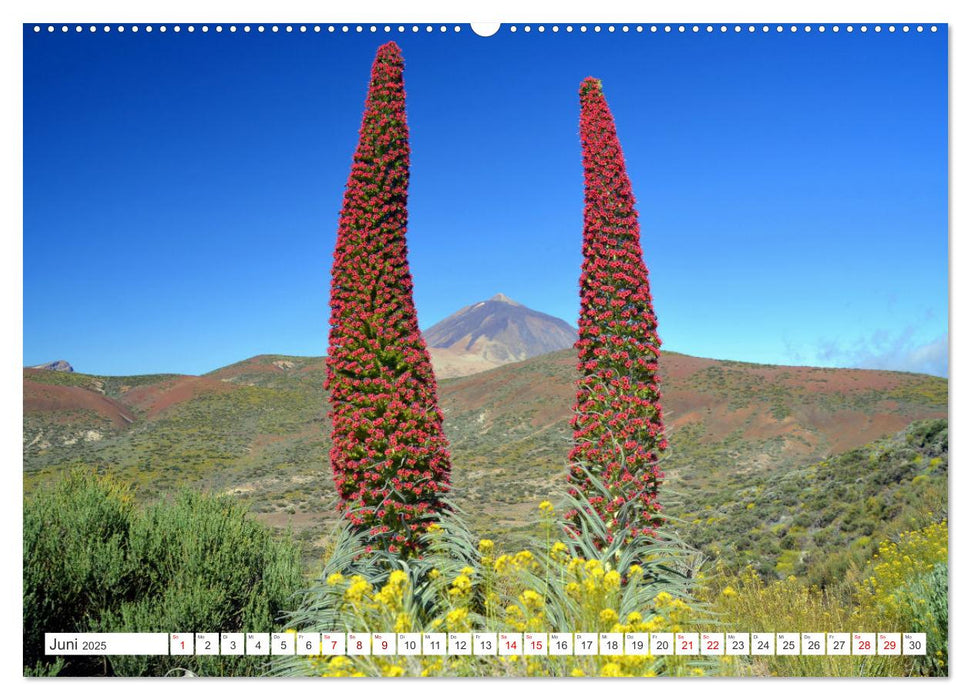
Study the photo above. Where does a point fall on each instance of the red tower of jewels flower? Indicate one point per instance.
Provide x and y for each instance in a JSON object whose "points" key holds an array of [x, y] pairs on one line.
{"points": [[618, 431], [389, 456]]}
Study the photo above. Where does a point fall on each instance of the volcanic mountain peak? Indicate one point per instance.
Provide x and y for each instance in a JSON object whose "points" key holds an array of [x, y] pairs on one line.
{"points": [[491, 333]]}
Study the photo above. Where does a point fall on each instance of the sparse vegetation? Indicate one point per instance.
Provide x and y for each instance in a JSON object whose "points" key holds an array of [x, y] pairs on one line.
{"points": [[509, 431], [821, 520]]}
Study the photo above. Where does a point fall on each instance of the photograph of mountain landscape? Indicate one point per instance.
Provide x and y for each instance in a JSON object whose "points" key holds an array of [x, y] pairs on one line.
{"points": [[359, 331]]}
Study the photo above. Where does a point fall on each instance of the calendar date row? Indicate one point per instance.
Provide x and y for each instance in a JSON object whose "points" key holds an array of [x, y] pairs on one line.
{"points": [[489, 643]]}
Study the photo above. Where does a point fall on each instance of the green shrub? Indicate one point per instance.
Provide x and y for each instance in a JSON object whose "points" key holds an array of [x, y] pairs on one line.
{"points": [[74, 563], [94, 563], [926, 606]]}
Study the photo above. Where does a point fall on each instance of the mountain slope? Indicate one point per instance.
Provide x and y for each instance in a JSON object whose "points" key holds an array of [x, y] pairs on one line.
{"points": [[258, 429], [492, 333]]}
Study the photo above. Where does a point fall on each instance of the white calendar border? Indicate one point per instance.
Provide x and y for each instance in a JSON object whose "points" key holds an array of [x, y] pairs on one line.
{"points": [[423, 10]]}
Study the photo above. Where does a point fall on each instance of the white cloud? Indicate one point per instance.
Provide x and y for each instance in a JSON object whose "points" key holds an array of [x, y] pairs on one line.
{"points": [[882, 350]]}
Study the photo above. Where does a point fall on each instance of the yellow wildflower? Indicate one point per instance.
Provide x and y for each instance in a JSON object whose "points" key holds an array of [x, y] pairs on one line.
{"points": [[340, 666], [461, 585], [431, 668], [608, 616], [335, 579], [402, 622], [358, 589], [655, 624], [611, 670], [523, 558], [392, 593], [457, 619], [514, 618], [503, 563], [531, 599], [612, 581]]}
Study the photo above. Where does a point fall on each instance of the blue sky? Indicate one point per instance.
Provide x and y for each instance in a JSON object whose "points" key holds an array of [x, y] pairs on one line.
{"points": [[181, 191]]}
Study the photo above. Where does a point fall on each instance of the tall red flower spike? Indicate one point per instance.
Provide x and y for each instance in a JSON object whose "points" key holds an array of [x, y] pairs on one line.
{"points": [[390, 456], [618, 431]]}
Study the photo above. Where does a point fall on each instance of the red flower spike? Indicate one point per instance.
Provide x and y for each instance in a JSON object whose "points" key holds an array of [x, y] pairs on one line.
{"points": [[617, 421], [389, 455]]}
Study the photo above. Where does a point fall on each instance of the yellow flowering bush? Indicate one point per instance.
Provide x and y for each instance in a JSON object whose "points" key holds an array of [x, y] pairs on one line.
{"points": [[897, 564], [904, 589], [561, 582], [464, 584]]}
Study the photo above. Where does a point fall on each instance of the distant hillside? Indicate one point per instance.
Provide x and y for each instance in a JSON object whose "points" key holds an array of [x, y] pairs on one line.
{"points": [[55, 366], [820, 519], [258, 429], [492, 333]]}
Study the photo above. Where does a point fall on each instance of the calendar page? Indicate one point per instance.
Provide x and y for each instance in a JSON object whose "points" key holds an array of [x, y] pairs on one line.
{"points": [[343, 355]]}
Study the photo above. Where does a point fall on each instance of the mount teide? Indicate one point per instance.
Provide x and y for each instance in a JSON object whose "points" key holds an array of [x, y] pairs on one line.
{"points": [[491, 333]]}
